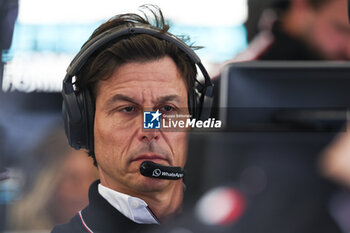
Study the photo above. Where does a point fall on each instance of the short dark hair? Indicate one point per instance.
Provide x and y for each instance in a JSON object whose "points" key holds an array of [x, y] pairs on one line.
{"points": [[316, 4], [133, 48], [282, 6]]}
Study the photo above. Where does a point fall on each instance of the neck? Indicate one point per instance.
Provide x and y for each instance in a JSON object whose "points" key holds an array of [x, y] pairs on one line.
{"points": [[165, 204]]}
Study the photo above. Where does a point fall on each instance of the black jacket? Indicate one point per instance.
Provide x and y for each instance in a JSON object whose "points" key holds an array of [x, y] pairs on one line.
{"points": [[287, 48], [100, 217]]}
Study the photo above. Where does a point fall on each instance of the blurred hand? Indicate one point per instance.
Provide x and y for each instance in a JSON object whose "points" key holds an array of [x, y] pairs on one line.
{"points": [[335, 160]]}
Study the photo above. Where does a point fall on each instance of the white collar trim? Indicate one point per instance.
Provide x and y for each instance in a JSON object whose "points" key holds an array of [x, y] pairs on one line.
{"points": [[133, 208]]}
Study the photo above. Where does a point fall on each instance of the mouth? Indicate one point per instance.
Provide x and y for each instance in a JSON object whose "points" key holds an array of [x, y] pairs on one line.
{"points": [[154, 158]]}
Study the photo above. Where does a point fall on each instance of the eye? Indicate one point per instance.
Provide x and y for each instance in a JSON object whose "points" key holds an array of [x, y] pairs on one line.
{"points": [[167, 109], [128, 109]]}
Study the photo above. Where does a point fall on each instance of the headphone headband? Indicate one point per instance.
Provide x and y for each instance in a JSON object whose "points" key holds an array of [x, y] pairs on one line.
{"points": [[126, 29]]}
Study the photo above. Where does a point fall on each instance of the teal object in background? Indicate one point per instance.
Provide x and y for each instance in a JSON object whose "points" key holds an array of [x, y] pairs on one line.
{"points": [[220, 43], [57, 38]]}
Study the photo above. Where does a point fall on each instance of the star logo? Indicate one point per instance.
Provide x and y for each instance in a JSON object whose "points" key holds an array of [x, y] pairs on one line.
{"points": [[155, 115], [151, 120]]}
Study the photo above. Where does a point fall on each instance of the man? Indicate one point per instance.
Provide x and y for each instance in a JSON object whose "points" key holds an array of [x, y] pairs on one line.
{"points": [[302, 30], [139, 68]]}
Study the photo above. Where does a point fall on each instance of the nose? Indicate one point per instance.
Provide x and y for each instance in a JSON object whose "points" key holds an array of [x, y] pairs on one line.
{"points": [[148, 135]]}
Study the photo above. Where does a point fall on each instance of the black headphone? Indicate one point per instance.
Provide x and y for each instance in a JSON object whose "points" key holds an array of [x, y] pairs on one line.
{"points": [[78, 107]]}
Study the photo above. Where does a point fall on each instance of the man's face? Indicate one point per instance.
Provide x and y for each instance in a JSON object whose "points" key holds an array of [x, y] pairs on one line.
{"points": [[329, 31], [121, 143]]}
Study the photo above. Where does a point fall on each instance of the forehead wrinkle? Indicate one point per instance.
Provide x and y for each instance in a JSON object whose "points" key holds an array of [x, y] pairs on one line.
{"points": [[142, 77], [145, 92], [130, 72], [151, 97], [143, 82], [121, 97], [155, 98], [145, 71], [127, 88]]}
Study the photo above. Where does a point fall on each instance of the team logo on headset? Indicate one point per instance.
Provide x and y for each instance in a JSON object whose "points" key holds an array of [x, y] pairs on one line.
{"points": [[151, 120]]}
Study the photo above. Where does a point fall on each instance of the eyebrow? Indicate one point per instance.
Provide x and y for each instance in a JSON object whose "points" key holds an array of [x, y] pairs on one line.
{"points": [[121, 97]]}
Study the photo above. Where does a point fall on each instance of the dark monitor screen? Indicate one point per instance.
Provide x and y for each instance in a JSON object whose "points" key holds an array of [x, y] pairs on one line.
{"points": [[263, 95]]}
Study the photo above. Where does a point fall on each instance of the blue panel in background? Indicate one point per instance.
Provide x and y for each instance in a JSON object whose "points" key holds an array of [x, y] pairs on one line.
{"points": [[220, 43], [60, 38]]}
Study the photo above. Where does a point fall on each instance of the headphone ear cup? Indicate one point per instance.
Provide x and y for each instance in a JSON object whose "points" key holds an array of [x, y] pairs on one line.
{"points": [[194, 103], [200, 102], [190, 104], [72, 119], [78, 115], [90, 116], [206, 105], [66, 122]]}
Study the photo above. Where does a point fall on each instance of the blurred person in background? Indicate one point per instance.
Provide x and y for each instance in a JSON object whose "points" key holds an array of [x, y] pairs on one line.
{"points": [[335, 160], [301, 30], [297, 30], [334, 164], [56, 184], [308, 30]]}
